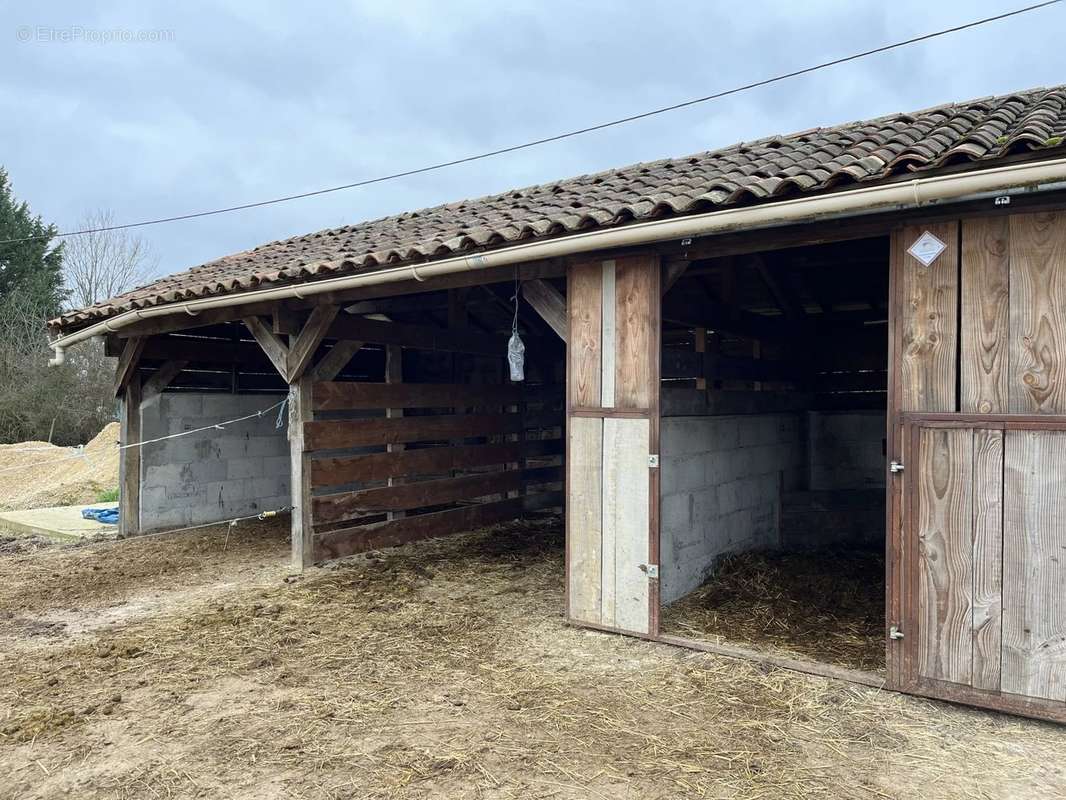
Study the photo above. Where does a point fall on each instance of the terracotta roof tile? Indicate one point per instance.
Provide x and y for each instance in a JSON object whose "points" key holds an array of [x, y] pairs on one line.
{"points": [[980, 131]]}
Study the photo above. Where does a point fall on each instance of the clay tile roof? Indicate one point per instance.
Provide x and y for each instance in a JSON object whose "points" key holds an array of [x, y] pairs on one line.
{"points": [[978, 132]]}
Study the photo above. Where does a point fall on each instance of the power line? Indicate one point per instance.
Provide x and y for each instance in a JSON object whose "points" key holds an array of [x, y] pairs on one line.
{"points": [[557, 137]]}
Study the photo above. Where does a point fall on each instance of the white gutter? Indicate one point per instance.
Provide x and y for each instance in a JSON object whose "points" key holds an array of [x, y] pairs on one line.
{"points": [[1019, 178]]}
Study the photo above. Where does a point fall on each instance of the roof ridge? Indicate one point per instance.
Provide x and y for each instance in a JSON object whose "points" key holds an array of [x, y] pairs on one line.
{"points": [[980, 131]]}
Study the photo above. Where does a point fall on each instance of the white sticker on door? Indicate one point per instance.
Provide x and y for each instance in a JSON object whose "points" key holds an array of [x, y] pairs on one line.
{"points": [[927, 248]]}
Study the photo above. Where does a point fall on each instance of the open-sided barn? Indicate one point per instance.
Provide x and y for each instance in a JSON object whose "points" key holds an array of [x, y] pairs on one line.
{"points": [[850, 340]]}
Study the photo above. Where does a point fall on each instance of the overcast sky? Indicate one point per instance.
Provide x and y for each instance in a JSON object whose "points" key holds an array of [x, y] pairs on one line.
{"points": [[242, 101]]}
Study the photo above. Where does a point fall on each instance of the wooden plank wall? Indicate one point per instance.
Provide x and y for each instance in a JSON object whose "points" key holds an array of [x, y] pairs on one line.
{"points": [[1034, 570], [613, 423], [471, 456], [945, 554], [975, 572]]}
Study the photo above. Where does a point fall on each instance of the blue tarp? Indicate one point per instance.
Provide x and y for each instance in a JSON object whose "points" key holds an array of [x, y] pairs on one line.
{"points": [[108, 516]]}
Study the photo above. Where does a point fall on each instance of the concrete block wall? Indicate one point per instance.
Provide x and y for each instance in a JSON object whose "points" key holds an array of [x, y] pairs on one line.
{"points": [[721, 486], [216, 474], [846, 449]]}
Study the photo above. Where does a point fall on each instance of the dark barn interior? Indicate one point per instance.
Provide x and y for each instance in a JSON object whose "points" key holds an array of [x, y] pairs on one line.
{"points": [[773, 451]]}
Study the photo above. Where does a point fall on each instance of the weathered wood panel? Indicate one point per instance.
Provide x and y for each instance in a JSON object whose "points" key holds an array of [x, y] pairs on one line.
{"points": [[331, 434], [129, 519], [987, 556], [344, 396], [1038, 313], [583, 306], [368, 467], [608, 334], [985, 316], [302, 525], [345, 542], [945, 553], [636, 319], [584, 464], [420, 337], [421, 494], [1034, 565], [928, 321], [625, 523]]}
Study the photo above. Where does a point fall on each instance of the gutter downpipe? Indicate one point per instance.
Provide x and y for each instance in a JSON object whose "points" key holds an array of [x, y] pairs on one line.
{"points": [[920, 192]]}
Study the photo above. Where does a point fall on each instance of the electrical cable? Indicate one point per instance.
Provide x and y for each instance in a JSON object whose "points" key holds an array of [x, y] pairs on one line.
{"points": [[549, 139]]}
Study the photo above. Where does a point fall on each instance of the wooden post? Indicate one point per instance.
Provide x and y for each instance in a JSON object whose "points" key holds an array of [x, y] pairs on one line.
{"points": [[303, 554], [129, 521], [394, 374]]}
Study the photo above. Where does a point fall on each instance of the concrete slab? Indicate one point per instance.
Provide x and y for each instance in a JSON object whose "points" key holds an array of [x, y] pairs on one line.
{"points": [[60, 523]]}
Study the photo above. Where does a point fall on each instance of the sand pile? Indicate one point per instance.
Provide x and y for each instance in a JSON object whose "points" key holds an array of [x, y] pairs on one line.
{"points": [[38, 474]]}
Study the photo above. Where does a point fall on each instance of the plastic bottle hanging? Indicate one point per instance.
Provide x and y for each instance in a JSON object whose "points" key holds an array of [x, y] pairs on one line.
{"points": [[516, 349]]}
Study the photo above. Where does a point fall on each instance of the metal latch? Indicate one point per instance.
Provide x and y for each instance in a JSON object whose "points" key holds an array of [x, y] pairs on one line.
{"points": [[652, 570], [895, 466], [895, 633], [653, 460]]}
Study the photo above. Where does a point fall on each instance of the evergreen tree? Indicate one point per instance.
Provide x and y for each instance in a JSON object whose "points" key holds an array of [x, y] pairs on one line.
{"points": [[30, 270]]}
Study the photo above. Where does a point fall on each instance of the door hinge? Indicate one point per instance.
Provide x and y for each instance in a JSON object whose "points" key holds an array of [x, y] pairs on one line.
{"points": [[895, 466], [651, 570], [653, 460], [895, 633]]}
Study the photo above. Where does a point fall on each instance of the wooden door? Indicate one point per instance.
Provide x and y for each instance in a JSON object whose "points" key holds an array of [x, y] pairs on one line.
{"points": [[984, 577], [612, 530]]}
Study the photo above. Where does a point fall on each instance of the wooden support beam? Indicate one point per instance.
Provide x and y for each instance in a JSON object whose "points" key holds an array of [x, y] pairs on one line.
{"points": [[672, 270], [129, 491], [127, 363], [300, 475], [783, 295], [310, 337], [335, 360], [285, 320], [276, 350], [394, 375], [686, 309], [223, 352], [423, 337], [171, 323], [549, 303], [161, 378]]}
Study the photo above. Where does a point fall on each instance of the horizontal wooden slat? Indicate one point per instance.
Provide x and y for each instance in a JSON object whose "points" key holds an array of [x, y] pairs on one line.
{"points": [[327, 434], [425, 461], [344, 542], [336, 396], [422, 337], [344, 396], [406, 496]]}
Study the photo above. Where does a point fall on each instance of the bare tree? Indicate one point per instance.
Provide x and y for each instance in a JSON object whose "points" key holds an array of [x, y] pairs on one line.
{"points": [[98, 266]]}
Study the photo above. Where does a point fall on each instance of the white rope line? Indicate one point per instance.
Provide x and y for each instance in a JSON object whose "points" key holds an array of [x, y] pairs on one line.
{"points": [[279, 423], [217, 426], [230, 523]]}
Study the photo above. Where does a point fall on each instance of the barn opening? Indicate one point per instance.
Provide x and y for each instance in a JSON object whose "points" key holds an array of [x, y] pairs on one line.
{"points": [[376, 422], [773, 443]]}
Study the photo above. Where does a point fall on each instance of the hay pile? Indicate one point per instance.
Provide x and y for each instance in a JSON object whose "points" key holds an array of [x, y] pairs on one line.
{"points": [[38, 474], [827, 605], [440, 669]]}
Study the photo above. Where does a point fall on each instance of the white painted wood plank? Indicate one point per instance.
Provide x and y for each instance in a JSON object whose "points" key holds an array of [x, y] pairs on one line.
{"points": [[626, 448], [1034, 568], [609, 503], [584, 461], [608, 338]]}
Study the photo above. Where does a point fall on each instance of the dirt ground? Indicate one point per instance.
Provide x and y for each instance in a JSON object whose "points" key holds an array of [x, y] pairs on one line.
{"points": [[196, 666]]}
